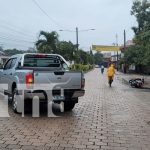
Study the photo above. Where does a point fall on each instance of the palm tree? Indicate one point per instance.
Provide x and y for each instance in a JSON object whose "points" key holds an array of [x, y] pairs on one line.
{"points": [[47, 42]]}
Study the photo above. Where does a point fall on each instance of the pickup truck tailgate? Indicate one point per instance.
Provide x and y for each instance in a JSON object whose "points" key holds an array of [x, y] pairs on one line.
{"points": [[63, 79]]}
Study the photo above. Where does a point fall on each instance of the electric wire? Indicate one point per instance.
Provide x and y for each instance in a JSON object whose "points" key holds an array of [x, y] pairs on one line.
{"points": [[15, 45], [6, 23], [44, 12], [18, 37], [14, 30], [8, 38]]}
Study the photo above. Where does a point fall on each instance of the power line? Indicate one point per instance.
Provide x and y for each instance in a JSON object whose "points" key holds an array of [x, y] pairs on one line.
{"points": [[4, 34], [16, 27], [16, 40], [44, 12], [14, 30], [14, 45]]}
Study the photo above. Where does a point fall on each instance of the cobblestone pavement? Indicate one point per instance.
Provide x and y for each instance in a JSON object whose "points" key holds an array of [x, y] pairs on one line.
{"points": [[114, 118]]}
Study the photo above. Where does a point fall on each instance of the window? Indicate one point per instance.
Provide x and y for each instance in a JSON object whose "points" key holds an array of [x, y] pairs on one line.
{"points": [[41, 60], [13, 62], [8, 64]]}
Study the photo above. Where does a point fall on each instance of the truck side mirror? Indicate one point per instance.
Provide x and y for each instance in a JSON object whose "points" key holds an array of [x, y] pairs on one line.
{"points": [[65, 66]]}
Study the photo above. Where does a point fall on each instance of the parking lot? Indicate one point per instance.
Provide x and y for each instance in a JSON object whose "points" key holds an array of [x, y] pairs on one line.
{"points": [[116, 118]]}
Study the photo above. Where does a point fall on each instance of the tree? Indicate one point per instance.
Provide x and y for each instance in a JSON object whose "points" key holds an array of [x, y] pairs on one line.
{"points": [[83, 57], [48, 42], [147, 56], [98, 57], [66, 49], [91, 57], [140, 53], [141, 10], [135, 55], [31, 50], [10, 52]]}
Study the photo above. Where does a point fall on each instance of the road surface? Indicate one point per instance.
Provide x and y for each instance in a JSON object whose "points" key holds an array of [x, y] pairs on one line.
{"points": [[116, 118]]}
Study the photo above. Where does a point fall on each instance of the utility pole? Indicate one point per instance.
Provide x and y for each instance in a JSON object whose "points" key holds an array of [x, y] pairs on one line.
{"points": [[124, 66], [77, 31], [117, 51], [77, 43], [124, 39]]}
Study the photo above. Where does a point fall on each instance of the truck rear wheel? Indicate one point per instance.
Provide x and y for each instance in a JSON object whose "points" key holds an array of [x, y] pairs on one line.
{"points": [[14, 101], [69, 105]]}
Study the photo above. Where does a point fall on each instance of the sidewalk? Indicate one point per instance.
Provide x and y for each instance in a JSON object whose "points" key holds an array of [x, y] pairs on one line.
{"points": [[126, 77]]}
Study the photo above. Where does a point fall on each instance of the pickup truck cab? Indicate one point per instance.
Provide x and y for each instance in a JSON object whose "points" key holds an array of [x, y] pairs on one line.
{"points": [[35, 69]]}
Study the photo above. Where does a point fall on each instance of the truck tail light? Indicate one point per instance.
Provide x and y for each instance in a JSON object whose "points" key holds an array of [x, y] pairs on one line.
{"points": [[40, 55], [29, 79]]}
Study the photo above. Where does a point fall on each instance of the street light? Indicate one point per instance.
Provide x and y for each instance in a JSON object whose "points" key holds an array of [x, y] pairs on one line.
{"points": [[77, 35]]}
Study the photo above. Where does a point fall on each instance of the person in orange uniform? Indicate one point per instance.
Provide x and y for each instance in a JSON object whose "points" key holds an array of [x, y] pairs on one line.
{"points": [[110, 72]]}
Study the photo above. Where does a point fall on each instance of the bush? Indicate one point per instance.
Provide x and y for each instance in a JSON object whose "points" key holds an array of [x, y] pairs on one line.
{"points": [[80, 67]]}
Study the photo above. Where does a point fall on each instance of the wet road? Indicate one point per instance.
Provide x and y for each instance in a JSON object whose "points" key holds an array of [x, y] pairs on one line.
{"points": [[105, 118]]}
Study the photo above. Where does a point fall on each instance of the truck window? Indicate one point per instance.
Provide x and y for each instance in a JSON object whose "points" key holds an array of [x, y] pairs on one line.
{"points": [[8, 64], [41, 61], [13, 62]]}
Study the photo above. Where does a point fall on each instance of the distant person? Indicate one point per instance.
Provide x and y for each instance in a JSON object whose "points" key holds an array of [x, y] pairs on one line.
{"points": [[110, 74], [102, 69]]}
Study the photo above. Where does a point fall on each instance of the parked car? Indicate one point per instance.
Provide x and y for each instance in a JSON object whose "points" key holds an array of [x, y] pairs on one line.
{"points": [[36, 68], [96, 66]]}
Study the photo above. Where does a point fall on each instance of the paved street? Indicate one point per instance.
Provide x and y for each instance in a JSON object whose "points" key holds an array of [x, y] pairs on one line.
{"points": [[116, 118]]}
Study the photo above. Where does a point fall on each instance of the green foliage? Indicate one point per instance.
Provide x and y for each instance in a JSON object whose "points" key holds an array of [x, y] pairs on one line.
{"points": [[140, 53], [84, 57], [48, 42], [147, 56], [141, 10], [31, 50], [98, 57], [10, 52], [81, 67], [66, 49], [90, 58], [135, 55]]}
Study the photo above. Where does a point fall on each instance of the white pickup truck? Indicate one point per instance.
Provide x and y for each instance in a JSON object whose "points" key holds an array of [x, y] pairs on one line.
{"points": [[34, 69]]}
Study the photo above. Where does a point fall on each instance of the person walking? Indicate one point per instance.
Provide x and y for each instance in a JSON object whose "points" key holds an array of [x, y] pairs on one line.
{"points": [[110, 74], [102, 69]]}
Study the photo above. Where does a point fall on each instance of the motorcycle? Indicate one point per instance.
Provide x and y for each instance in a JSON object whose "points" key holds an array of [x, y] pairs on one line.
{"points": [[137, 83]]}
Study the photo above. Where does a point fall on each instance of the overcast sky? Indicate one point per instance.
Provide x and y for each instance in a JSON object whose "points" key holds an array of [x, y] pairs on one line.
{"points": [[21, 21]]}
